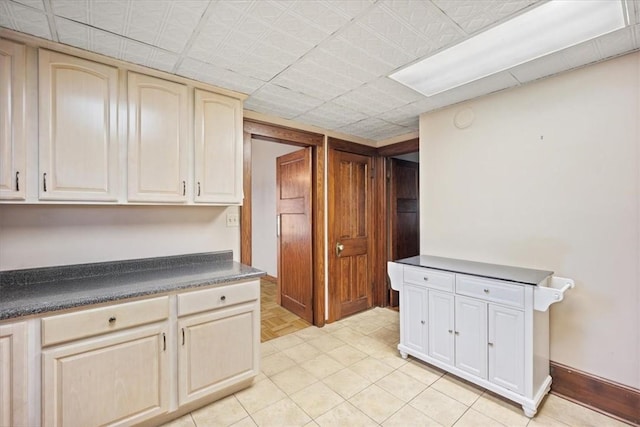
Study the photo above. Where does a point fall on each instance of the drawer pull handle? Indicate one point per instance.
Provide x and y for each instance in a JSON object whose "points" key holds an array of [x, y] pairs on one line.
{"points": [[182, 336], [222, 298], [426, 279], [164, 341], [184, 188], [44, 181], [112, 319], [486, 291], [198, 188], [17, 181]]}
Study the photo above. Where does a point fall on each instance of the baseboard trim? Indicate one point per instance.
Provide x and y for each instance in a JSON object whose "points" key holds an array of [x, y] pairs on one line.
{"points": [[617, 400], [269, 278]]}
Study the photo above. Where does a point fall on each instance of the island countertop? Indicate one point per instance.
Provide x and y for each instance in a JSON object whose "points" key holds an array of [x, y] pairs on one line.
{"points": [[508, 273], [41, 290]]}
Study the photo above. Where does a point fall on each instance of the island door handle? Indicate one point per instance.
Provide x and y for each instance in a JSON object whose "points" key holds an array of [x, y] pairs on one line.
{"points": [[17, 181], [182, 336], [339, 248], [164, 341], [44, 181], [198, 188], [184, 188]]}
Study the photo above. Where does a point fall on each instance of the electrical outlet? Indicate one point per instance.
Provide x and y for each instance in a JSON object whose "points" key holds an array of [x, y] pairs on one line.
{"points": [[233, 220]]}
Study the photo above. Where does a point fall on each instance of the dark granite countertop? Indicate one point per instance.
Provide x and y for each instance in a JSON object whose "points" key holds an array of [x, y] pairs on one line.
{"points": [[42, 290], [526, 276]]}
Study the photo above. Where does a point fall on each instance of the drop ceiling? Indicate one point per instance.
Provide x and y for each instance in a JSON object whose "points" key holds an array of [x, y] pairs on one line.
{"points": [[318, 62]]}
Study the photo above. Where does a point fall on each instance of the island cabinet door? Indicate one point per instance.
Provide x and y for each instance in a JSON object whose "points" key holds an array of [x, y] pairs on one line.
{"points": [[216, 350], [506, 347], [117, 379], [441, 325], [414, 316], [471, 336]]}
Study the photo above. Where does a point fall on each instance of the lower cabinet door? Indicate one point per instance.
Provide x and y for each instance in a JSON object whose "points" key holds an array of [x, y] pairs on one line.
{"points": [[441, 321], [13, 375], [471, 336], [217, 349], [116, 379], [414, 316], [506, 347]]}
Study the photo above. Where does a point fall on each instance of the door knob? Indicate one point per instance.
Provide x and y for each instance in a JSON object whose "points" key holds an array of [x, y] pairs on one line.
{"points": [[339, 248]]}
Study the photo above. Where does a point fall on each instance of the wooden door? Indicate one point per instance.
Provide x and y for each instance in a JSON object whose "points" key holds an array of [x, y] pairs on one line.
{"points": [[404, 218], [350, 233], [78, 144], [158, 145], [218, 148], [295, 248]]}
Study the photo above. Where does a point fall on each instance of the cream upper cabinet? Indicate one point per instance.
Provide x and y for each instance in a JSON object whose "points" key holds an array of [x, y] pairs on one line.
{"points": [[78, 146], [12, 121], [158, 147], [218, 148], [13, 375]]}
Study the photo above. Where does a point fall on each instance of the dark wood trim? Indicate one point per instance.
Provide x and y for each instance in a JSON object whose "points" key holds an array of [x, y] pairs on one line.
{"points": [[319, 255], [274, 133], [404, 147], [269, 278], [282, 134], [245, 210], [380, 291], [597, 393], [352, 147]]}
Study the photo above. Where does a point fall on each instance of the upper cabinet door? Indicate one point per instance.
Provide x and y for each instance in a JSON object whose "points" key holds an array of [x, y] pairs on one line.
{"points": [[158, 144], [218, 148], [12, 123], [78, 129]]}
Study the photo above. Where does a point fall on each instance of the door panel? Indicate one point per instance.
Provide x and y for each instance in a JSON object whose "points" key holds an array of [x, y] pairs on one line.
{"points": [[471, 336], [404, 218], [295, 250], [350, 231], [441, 321]]}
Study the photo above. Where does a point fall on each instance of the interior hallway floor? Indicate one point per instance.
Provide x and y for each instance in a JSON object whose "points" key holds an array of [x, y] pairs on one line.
{"points": [[275, 320], [349, 373]]}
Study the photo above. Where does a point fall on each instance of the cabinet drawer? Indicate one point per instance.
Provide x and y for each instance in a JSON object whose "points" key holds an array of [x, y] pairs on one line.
{"points": [[96, 321], [490, 290], [435, 279], [223, 296]]}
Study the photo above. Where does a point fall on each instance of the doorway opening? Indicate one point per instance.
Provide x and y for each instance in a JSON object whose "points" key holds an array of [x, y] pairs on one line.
{"points": [[282, 217]]}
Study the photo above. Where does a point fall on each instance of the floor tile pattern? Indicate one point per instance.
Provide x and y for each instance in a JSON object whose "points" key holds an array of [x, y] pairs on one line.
{"points": [[349, 373], [276, 321]]}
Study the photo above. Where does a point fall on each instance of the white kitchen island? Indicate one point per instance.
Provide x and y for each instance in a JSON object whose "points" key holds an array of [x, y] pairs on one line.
{"points": [[485, 323]]}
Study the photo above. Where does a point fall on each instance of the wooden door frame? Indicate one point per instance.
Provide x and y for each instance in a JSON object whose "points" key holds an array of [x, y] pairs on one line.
{"points": [[382, 213], [284, 135]]}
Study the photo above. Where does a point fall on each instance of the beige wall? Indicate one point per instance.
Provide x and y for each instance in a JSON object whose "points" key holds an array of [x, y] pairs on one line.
{"points": [[38, 236], [264, 250], [547, 176]]}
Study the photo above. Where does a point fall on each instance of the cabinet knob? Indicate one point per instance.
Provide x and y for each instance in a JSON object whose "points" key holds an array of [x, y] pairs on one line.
{"points": [[450, 331], [426, 279], [422, 321], [112, 319], [490, 344], [486, 291], [222, 298], [457, 333]]}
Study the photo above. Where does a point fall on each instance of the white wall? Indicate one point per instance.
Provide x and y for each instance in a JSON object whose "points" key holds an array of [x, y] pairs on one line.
{"points": [[547, 176], [38, 236], [264, 249]]}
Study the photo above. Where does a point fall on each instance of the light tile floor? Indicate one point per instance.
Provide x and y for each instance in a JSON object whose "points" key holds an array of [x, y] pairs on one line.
{"points": [[349, 373]]}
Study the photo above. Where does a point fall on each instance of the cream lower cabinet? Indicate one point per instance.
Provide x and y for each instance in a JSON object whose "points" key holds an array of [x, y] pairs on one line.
{"points": [[118, 379], [13, 375], [491, 332], [219, 346]]}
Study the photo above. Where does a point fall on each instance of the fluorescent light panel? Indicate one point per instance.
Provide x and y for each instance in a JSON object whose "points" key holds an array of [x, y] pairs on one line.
{"points": [[548, 28]]}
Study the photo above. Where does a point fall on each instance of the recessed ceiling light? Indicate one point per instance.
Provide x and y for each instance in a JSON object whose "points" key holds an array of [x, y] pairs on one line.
{"points": [[545, 29]]}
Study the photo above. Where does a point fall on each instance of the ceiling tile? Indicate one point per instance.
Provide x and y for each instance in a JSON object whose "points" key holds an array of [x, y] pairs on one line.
{"points": [[108, 15], [429, 22], [367, 41], [37, 4], [475, 15], [319, 14], [24, 19], [217, 76], [74, 34], [352, 8], [286, 97], [331, 115], [304, 31], [72, 9], [356, 57], [373, 128]]}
